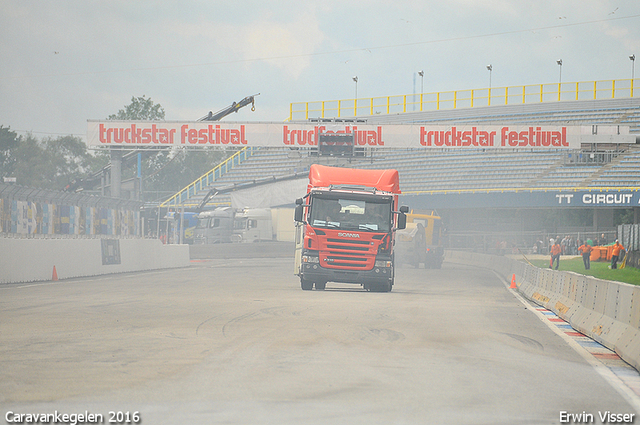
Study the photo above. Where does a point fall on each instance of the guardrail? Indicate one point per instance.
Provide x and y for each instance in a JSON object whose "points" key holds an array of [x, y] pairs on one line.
{"points": [[208, 178], [512, 95]]}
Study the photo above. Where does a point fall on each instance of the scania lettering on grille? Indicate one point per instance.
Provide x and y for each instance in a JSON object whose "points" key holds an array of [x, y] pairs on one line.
{"points": [[349, 235]]}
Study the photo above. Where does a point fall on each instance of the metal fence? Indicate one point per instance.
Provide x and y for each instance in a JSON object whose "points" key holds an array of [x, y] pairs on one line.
{"points": [[525, 242], [629, 236], [209, 178], [513, 95], [41, 213]]}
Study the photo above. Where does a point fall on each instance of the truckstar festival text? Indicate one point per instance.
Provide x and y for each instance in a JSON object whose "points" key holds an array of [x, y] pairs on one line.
{"points": [[296, 134]]}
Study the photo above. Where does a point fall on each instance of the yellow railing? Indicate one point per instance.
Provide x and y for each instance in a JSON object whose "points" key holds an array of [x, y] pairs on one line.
{"points": [[514, 95], [208, 178]]}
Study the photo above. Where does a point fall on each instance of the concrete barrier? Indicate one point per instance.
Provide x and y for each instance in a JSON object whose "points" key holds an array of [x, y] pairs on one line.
{"points": [[606, 311], [29, 260], [243, 250]]}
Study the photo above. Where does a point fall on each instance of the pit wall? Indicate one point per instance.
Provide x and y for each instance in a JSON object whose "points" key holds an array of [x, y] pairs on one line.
{"points": [[606, 311], [29, 260]]}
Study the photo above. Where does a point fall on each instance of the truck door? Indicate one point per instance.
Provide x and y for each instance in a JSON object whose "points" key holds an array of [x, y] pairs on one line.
{"points": [[253, 233], [299, 240]]}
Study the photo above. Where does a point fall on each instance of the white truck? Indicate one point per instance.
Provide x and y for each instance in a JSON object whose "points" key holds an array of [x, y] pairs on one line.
{"points": [[252, 225], [225, 224]]}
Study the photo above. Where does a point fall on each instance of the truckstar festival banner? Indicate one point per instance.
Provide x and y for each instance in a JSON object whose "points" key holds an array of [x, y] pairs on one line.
{"points": [[141, 134]]}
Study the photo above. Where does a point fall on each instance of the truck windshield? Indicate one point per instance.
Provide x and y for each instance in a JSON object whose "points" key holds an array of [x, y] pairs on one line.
{"points": [[351, 214], [208, 222]]}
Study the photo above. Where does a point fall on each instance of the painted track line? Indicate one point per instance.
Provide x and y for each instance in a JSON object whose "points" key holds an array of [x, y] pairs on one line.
{"points": [[622, 377]]}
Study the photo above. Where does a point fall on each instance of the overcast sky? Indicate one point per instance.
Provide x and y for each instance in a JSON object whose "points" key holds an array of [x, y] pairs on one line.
{"points": [[66, 61]]}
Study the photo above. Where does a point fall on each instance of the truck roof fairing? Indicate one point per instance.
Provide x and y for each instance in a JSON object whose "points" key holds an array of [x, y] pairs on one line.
{"points": [[383, 180]]}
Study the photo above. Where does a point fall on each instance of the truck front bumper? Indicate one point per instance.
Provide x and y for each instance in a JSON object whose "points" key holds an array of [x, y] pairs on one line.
{"points": [[314, 273]]}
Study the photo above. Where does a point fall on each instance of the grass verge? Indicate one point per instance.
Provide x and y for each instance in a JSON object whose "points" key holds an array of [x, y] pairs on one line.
{"points": [[598, 270]]}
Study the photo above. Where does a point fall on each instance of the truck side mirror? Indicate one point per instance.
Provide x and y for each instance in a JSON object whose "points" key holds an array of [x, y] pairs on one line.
{"points": [[402, 220], [298, 215], [299, 201], [404, 209]]}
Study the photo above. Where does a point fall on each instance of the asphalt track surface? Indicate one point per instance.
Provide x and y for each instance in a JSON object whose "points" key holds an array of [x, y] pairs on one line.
{"points": [[236, 341]]}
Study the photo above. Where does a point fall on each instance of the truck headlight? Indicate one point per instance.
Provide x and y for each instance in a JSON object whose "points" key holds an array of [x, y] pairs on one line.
{"points": [[383, 263], [310, 259]]}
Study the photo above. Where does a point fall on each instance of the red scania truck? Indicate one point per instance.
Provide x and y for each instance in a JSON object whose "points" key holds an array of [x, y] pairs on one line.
{"points": [[345, 228]]}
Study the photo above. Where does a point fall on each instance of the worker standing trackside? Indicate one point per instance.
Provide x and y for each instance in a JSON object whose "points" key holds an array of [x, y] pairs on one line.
{"points": [[556, 250], [615, 254], [585, 249]]}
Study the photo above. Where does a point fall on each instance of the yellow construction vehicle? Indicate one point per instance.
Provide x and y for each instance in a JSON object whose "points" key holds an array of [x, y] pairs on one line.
{"points": [[421, 241]]}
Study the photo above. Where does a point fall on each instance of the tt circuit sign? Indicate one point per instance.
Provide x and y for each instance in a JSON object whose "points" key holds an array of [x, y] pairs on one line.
{"points": [[620, 198], [142, 134], [594, 199]]}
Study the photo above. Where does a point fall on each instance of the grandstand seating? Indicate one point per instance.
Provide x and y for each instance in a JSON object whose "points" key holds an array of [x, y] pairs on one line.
{"points": [[591, 112], [623, 173]]}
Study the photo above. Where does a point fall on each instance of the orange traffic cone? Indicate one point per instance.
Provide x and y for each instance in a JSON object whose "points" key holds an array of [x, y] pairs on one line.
{"points": [[513, 282], [55, 274]]}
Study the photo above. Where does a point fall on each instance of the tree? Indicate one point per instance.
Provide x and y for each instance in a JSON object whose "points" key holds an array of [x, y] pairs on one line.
{"points": [[8, 144], [140, 108], [167, 171], [170, 171], [52, 163]]}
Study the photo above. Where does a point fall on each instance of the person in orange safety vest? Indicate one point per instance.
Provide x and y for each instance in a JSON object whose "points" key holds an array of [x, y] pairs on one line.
{"points": [[556, 250], [615, 254], [585, 249]]}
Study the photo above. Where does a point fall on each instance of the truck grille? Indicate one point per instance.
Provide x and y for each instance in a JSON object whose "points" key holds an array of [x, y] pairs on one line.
{"points": [[348, 253]]}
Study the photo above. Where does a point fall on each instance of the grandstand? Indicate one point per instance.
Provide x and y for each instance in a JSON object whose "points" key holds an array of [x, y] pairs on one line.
{"points": [[575, 112], [470, 187], [594, 166], [427, 174]]}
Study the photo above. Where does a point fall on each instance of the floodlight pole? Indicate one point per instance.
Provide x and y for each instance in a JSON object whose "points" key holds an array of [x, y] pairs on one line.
{"points": [[559, 62], [355, 78], [633, 71], [421, 74], [490, 69]]}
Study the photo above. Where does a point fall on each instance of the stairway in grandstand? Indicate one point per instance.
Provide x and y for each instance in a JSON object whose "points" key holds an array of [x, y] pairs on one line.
{"points": [[423, 170], [246, 166], [625, 172]]}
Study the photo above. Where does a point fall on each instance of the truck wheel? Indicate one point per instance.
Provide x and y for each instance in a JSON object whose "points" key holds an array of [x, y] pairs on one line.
{"points": [[320, 286], [306, 285], [380, 287]]}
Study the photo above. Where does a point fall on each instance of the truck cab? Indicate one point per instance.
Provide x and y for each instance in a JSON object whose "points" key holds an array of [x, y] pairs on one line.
{"points": [[252, 225], [345, 231], [214, 226]]}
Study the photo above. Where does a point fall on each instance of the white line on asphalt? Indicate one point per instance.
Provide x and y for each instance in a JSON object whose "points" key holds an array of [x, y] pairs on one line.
{"points": [[613, 380]]}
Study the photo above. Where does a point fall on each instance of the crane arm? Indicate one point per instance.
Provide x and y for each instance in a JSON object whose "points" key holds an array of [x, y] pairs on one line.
{"points": [[235, 106]]}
